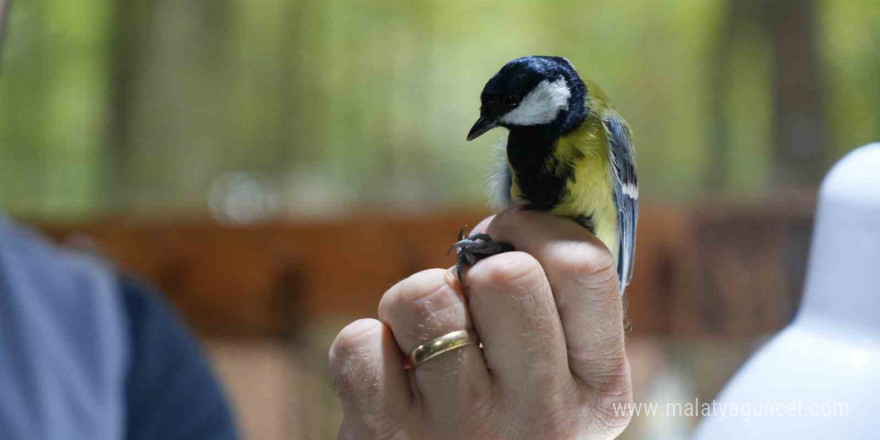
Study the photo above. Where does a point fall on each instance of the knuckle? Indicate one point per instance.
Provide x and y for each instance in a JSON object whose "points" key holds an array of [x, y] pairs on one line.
{"points": [[590, 266], [585, 258], [442, 299], [612, 380], [357, 379], [602, 351], [423, 307], [513, 271], [609, 394], [349, 349], [611, 421], [559, 423], [610, 391], [593, 280], [404, 294]]}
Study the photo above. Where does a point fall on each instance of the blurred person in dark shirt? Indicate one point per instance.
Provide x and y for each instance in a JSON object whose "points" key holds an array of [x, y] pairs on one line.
{"points": [[87, 353]]}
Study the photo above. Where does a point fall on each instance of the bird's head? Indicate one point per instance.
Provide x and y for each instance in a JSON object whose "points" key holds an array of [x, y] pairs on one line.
{"points": [[531, 91]]}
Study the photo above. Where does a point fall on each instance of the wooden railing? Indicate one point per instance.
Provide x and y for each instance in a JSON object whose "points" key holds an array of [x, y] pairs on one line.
{"points": [[712, 270]]}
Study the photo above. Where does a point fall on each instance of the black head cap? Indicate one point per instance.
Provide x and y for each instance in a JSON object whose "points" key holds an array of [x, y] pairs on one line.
{"points": [[554, 90]]}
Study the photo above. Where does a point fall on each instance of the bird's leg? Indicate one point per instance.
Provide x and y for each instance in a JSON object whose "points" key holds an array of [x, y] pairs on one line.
{"points": [[476, 247]]}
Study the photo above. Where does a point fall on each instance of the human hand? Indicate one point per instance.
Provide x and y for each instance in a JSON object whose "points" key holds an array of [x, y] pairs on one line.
{"points": [[552, 364]]}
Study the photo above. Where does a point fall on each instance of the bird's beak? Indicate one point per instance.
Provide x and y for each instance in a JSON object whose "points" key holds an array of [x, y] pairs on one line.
{"points": [[481, 126]]}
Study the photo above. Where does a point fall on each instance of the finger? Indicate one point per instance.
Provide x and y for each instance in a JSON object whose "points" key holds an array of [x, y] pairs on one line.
{"points": [[482, 225], [583, 278], [419, 309], [367, 369], [513, 310]]}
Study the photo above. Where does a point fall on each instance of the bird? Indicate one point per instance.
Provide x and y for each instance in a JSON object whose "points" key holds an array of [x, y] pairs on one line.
{"points": [[568, 152]]}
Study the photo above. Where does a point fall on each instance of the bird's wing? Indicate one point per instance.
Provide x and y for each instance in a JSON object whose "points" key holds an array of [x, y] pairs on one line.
{"points": [[626, 193]]}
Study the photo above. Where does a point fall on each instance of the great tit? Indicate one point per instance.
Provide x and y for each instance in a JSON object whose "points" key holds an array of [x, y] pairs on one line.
{"points": [[568, 152]]}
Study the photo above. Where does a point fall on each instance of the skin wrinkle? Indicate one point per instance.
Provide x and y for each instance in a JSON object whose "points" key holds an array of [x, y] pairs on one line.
{"points": [[448, 373], [576, 271], [478, 410], [612, 381], [539, 333], [477, 404], [383, 430], [559, 401], [508, 293], [601, 341], [522, 282], [414, 387], [601, 280], [439, 308], [474, 402], [439, 314], [385, 426], [525, 423], [583, 260], [514, 426], [525, 298], [346, 353], [558, 422], [601, 347], [481, 405], [598, 294], [590, 268], [513, 270], [365, 396], [608, 420], [438, 320], [360, 387], [359, 376], [436, 311], [596, 282]]}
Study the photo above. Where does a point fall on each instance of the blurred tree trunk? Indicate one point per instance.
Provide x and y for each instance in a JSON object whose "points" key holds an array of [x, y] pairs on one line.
{"points": [[132, 20], [170, 103], [738, 13], [799, 141], [800, 133]]}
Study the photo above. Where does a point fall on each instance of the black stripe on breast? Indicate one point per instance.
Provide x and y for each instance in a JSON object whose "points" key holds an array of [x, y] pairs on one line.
{"points": [[587, 222], [530, 152]]}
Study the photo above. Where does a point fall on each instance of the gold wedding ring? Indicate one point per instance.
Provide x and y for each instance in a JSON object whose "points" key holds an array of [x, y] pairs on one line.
{"points": [[438, 346]]}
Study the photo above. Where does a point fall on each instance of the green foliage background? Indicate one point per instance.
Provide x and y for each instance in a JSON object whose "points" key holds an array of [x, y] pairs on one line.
{"points": [[137, 107]]}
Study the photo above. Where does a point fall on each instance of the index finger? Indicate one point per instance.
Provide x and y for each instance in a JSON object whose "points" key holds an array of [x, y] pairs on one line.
{"points": [[482, 225], [583, 278]]}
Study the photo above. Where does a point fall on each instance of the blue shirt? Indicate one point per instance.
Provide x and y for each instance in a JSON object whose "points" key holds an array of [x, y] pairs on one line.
{"points": [[88, 354]]}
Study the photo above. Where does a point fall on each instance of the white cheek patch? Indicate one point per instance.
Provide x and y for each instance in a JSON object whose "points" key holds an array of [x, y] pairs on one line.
{"points": [[541, 105]]}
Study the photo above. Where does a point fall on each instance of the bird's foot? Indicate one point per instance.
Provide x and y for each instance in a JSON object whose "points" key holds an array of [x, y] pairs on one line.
{"points": [[476, 247]]}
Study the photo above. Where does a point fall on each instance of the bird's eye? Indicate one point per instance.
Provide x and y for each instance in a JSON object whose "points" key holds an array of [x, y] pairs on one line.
{"points": [[511, 101]]}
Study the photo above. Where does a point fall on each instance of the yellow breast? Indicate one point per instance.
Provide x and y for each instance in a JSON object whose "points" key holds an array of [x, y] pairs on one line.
{"points": [[589, 192]]}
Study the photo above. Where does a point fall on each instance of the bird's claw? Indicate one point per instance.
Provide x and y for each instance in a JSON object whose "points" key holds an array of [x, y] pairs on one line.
{"points": [[475, 248]]}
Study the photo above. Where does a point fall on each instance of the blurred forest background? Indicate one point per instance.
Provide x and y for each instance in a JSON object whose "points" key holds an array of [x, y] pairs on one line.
{"points": [[238, 153], [306, 107]]}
